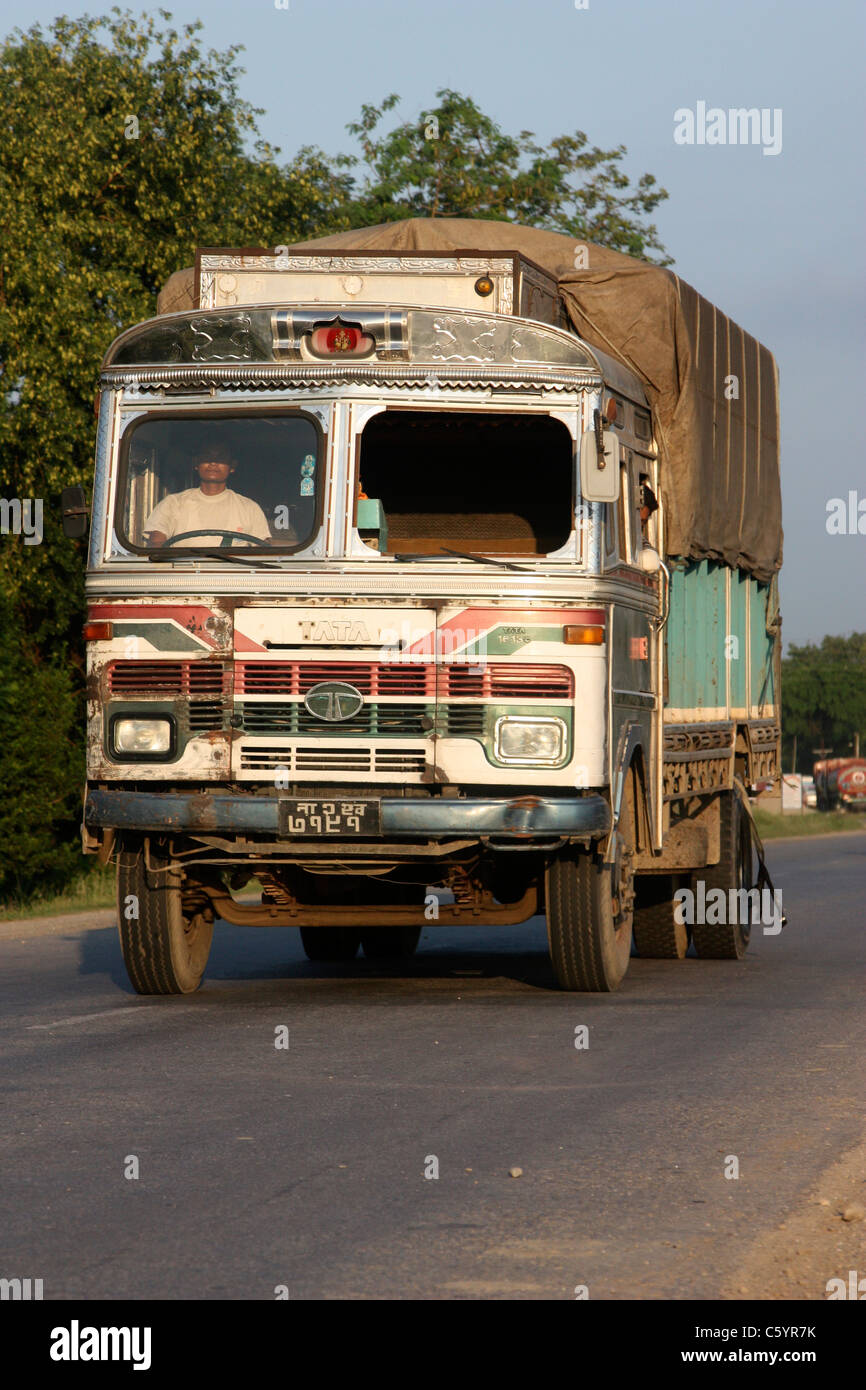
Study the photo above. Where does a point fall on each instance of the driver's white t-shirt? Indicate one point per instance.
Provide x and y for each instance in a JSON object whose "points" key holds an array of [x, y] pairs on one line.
{"points": [[194, 510]]}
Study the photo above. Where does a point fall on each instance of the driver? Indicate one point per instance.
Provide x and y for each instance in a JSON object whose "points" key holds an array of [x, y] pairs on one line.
{"points": [[209, 504]]}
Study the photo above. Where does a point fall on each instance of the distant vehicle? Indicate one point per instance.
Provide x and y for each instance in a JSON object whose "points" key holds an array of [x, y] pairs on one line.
{"points": [[841, 784], [810, 794], [764, 784]]}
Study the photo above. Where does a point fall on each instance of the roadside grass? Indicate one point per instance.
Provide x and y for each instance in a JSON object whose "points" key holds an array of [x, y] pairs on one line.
{"points": [[94, 889], [777, 827]]}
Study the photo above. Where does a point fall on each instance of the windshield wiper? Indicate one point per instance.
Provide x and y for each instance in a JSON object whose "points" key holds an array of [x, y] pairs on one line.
{"points": [[173, 552], [486, 560], [468, 555]]}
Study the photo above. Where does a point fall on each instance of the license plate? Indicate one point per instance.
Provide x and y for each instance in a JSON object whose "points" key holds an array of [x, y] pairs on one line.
{"points": [[299, 816]]}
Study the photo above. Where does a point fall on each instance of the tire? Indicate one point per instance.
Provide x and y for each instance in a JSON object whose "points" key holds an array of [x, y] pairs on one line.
{"points": [[658, 935], [589, 945], [165, 930], [390, 943], [330, 943], [727, 940], [590, 909]]}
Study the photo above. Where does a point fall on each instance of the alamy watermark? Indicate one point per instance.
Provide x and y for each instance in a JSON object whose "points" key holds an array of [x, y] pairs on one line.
{"points": [[736, 906], [77, 1343], [739, 125], [22, 517], [855, 1288], [20, 1290], [846, 517]]}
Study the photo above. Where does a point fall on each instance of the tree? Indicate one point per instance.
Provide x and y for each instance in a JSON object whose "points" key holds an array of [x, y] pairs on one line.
{"points": [[454, 161], [122, 146], [824, 698]]}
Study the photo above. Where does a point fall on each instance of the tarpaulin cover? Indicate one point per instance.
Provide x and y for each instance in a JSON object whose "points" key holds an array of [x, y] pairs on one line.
{"points": [[713, 388]]}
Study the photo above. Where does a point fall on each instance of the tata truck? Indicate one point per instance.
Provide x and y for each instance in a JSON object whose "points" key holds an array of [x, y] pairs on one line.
{"points": [[429, 583]]}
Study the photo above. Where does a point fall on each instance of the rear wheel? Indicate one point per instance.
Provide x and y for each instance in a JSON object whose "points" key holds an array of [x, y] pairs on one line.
{"points": [[330, 943], [657, 932], [390, 943], [728, 940], [165, 925]]}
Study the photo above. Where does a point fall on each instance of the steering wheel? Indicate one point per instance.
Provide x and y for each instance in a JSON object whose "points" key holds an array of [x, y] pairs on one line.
{"points": [[227, 536]]}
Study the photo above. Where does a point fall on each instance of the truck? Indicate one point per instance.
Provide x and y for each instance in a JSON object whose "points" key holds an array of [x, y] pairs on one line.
{"points": [[432, 580], [840, 784]]}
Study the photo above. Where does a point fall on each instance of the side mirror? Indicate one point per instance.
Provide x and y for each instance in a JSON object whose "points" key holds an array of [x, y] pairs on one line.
{"points": [[650, 560], [599, 470], [74, 513]]}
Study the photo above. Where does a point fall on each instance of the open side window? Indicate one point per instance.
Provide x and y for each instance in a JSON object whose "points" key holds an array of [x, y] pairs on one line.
{"points": [[491, 482]]}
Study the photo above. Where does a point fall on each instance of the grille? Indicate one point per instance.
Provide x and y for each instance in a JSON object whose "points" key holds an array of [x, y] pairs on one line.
{"points": [[205, 715], [293, 718], [500, 680], [464, 721], [167, 677], [297, 677], [352, 760], [493, 680]]}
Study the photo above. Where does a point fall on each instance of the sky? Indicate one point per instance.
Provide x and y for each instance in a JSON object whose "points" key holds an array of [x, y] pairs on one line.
{"points": [[774, 239]]}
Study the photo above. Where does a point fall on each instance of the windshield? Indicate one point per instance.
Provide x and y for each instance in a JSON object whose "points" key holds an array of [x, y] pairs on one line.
{"points": [[439, 482], [240, 480]]}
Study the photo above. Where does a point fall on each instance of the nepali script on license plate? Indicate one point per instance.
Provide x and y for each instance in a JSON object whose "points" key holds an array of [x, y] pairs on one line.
{"points": [[301, 816]]}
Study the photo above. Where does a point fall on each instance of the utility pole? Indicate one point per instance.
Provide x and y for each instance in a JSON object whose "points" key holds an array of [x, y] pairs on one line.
{"points": [[794, 755]]}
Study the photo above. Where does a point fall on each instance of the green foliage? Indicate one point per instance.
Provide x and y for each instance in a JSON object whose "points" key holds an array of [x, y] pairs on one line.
{"points": [[95, 214], [42, 765], [824, 699], [123, 147], [456, 162]]}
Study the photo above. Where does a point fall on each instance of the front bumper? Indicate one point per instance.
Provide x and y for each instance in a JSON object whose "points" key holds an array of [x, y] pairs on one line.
{"points": [[428, 818]]}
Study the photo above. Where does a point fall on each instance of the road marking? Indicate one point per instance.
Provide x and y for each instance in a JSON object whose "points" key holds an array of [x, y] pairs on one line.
{"points": [[128, 1010]]}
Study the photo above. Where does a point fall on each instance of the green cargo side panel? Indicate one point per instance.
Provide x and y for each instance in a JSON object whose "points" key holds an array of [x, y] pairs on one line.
{"points": [[719, 654]]}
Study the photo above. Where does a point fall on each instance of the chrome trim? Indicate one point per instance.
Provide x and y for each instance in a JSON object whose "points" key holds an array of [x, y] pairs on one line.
{"points": [[314, 374], [388, 328], [665, 606], [501, 757], [144, 580]]}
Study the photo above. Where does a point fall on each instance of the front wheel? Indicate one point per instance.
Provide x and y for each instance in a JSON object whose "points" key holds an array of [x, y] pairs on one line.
{"points": [[165, 926], [589, 919]]}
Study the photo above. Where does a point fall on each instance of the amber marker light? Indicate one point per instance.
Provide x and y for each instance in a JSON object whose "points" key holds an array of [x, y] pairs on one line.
{"points": [[582, 635], [484, 286], [98, 632]]}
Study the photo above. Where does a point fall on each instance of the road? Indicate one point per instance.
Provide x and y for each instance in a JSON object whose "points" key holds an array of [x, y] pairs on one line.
{"points": [[304, 1167]]}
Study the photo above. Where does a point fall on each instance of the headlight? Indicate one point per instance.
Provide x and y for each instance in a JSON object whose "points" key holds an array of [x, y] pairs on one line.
{"points": [[142, 736], [523, 740]]}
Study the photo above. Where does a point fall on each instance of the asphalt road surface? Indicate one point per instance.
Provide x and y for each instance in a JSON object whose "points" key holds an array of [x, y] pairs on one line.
{"points": [[303, 1168]]}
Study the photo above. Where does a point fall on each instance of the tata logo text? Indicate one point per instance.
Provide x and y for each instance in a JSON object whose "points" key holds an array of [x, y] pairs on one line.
{"points": [[333, 701], [334, 632]]}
